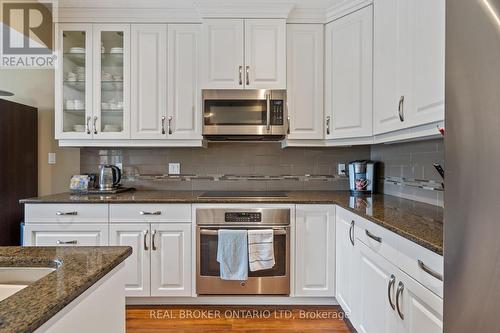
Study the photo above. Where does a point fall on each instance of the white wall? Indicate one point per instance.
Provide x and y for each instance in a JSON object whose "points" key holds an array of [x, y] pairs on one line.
{"points": [[35, 87]]}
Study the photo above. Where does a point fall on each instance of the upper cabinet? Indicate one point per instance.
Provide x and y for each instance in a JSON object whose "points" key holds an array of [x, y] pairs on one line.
{"points": [[348, 76], [244, 53], [409, 43], [305, 80]]}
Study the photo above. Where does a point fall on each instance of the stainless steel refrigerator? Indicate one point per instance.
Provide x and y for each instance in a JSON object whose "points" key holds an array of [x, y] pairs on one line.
{"points": [[472, 142]]}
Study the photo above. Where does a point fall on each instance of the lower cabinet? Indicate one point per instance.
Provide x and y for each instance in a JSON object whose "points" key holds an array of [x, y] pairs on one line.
{"points": [[315, 250], [160, 264], [65, 234]]}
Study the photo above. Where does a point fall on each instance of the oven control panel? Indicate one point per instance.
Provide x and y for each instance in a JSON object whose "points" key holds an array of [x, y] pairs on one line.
{"points": [[243, 217]]}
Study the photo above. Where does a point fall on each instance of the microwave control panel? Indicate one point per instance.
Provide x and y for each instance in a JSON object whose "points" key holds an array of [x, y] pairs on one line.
{"points": [[243, 217], [277, 113]]}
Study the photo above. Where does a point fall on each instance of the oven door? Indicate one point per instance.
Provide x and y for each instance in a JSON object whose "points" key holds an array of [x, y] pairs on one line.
{"points": [[274, 281], [243, 112]]}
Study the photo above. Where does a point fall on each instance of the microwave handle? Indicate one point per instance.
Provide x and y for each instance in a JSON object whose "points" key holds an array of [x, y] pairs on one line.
{"points": [[214, 232], [268, 118]]}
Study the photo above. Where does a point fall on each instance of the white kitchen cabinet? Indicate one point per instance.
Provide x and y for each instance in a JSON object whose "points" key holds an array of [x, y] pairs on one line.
{"points": [[149, 81], [347, 278], [171, 259], [137, 266], [223, 52], [377, 277], [67, 234], [315, 251], [241, 54], [184, 93], [348, 76], [408, 63], [73, 81], [265, 54], [305, 80], [421, 310]]}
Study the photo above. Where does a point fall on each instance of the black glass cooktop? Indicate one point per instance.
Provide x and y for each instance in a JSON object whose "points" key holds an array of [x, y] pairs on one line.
{"points": [[243, 194]]}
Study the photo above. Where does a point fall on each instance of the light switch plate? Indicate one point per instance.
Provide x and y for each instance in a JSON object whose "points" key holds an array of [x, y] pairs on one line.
{"points": [[341, 169], [174, 168], [52, 158]]}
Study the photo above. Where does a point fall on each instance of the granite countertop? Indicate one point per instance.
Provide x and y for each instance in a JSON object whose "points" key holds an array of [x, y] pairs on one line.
{"points": [[418, 222], [77, 269]]}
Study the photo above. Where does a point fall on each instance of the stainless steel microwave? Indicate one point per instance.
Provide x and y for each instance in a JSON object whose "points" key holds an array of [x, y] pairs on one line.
{"points": [[244, 114]]}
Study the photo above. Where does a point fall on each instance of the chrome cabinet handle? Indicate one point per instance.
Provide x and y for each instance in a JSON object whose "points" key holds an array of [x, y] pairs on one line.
{"points": [[247, 74], [163, 125], [60, 242], [95, 125], [66, 213], [372, 236], [240, 71], [351, 233], [268, 115], [88, 125], [429, 271], [157, 212], [288, 127], [327, 125], [401, 111], [153, 244], [170, 125], [390, 288], [399, 292], [146, 248]]}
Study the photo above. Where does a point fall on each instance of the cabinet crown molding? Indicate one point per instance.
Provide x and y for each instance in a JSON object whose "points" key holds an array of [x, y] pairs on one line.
{"points": [[251, 9], [345, 7]]}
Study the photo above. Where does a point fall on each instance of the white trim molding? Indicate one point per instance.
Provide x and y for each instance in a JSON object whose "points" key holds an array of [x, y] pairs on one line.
{"points": [[132, 143], [345, 7], [231, 9]]}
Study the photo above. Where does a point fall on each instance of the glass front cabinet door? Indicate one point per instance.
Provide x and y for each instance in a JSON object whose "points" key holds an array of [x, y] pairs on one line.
{"points": [[73, 91], [92, 81], [111, 94]]}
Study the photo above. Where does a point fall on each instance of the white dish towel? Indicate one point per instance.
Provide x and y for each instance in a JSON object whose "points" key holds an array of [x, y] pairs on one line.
{"points": [[261, 249]]}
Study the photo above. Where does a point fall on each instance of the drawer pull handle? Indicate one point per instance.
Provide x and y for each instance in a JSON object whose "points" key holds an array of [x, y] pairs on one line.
{"points": [[351, 233], [150, 213], [390, 288], [429, 271], [153, 243], [73, 242], [146, 248], [372, 236], [399, 292], [66, 213]]}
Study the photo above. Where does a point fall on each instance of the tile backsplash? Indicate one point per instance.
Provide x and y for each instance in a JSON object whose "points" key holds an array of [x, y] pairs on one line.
{"points": [[411, 160], [239, 159]]}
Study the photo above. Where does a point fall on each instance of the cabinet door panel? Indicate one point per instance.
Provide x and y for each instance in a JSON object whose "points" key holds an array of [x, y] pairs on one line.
{"points": [[373, 312], [149, 80], [223, 61], [315, 251], [427, 19], [265, 54], [184, 108], [305, 80], [137, 280], [66, 235], [348, 82], [171, 260]]}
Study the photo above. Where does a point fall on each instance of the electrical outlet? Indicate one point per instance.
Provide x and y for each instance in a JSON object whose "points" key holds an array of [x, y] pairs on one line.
{"points": [[341, 169], [52, 158], [174, 168]]}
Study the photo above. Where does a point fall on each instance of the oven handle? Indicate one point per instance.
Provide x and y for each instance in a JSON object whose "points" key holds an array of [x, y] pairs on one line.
{"points": [[214, 232], [268, 115]]}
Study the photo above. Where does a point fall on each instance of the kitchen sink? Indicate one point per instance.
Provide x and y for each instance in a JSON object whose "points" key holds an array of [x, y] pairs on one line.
{"points": [[14, 279]]}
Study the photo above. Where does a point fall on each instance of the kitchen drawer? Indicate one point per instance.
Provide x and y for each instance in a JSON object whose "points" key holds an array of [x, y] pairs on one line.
{"points": [[432, 263], [120, 213], [66, 213], [66, 234]]}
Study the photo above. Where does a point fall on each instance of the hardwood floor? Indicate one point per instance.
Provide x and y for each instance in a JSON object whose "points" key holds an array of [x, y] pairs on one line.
{"points": [[242, 319]]}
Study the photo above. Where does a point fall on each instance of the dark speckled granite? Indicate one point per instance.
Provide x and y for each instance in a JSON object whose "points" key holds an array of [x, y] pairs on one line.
{"points": [[418, 222], [81, 267]]}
